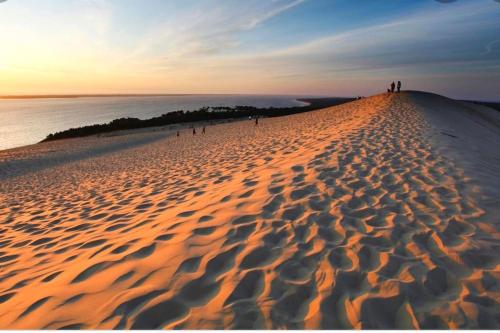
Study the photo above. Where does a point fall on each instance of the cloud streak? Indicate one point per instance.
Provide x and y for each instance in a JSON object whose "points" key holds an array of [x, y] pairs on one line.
{"points": [[214, 28]]}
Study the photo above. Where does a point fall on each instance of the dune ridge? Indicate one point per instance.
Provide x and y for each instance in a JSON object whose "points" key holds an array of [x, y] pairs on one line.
{"points": [[355, 216]]}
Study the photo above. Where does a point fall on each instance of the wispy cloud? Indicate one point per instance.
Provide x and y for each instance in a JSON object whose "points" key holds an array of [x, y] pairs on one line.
{"points": [[213, 28]]}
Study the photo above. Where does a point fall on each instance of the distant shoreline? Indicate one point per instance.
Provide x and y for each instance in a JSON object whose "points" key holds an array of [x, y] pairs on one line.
{"points": [[48, 96]]}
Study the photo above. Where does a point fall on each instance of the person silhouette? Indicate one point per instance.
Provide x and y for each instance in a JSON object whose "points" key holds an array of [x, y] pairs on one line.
{"points": [[194, 131], [393, 86], [256, 121], [203, 130], [399, 86], [177, 133]]}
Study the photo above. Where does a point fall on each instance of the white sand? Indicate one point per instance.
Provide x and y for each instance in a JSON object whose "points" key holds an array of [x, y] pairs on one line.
{"points": [[363, 215]]}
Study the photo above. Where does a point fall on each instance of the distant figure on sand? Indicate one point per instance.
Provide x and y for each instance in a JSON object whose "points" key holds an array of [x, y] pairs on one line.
{"points": [[256, 121], [399, 86], [194, 131], [393, 86], [388, 90], [177, 133], [203, 130]]}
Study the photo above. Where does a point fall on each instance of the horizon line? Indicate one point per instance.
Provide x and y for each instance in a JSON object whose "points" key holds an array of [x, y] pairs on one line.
{"points": [[41, 96]]}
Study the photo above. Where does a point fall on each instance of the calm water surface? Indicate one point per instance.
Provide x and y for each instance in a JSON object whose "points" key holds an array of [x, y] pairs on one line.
{"points": [[27, 121]]}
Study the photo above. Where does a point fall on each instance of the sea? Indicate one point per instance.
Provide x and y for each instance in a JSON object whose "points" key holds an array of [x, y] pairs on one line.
{"points": [[26, 121]]}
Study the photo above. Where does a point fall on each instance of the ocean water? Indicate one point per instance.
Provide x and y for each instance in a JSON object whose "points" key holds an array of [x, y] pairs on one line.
{"points": [[27, 121]]}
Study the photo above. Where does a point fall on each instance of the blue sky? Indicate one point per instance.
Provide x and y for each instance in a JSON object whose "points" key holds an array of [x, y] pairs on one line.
{"points": [[324, 47]]}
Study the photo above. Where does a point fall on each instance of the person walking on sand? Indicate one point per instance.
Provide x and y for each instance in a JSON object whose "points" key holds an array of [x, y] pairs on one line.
{"points": [[194, 131], [393, 86], [399, 86], [177, 133], [203, 130], [256, 121]]}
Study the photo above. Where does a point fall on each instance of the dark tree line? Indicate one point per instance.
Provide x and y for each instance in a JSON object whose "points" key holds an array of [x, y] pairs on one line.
{"points": [[202, 114]]}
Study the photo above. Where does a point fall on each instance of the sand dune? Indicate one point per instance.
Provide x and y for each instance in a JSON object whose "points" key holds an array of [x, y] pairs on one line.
{"points": [[363, 215]]}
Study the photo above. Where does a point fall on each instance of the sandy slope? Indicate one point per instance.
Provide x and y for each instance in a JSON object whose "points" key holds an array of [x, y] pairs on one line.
{"points": [[363, 215]]}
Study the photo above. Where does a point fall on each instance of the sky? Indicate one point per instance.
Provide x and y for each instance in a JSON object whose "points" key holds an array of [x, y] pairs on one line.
{"points": [[296, 47]]}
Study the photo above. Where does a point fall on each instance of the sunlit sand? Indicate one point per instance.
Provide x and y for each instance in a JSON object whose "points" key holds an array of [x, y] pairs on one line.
{"points": [[380, 213]]}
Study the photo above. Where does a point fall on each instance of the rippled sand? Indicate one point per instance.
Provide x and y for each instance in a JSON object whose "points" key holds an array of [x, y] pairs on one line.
{"points": [[357, 216]]}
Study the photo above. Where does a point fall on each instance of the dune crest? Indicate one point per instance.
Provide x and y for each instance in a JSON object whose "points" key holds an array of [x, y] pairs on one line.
{"points": [[348, 217]]}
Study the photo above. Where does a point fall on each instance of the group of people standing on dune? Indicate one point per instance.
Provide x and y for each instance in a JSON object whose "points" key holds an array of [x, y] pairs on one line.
{"points": [[393, 87]]}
